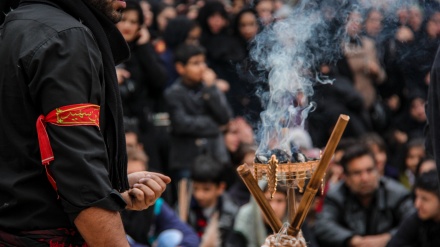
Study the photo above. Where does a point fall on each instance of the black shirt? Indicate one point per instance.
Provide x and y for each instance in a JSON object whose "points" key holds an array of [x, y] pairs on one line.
{"points": [[48, 60], [414, 232]]}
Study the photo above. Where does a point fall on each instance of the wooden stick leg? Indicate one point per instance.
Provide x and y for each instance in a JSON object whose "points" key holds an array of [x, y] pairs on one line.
{"points": [[317, 176], [261, 200]]}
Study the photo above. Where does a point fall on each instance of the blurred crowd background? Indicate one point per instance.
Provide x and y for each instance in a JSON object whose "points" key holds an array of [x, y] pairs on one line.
{"points": [[381, 81], [191, 111]]}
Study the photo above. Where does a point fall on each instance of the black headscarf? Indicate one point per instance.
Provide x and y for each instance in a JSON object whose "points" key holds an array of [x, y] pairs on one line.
{"points": [[114, 50]]}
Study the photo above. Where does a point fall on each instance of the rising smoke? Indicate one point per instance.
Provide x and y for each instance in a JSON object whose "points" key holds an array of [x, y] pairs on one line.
{"points": [[288, 54]]}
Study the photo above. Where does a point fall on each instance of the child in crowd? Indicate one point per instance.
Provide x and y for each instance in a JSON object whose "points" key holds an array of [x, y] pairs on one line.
{"points": [[377, 146], [132, 139], [211, 211], [158, 225], [415, 153], [198, 112], [422, 227]]}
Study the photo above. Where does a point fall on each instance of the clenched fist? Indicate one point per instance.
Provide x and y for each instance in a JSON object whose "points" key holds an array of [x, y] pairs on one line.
{"points": [[145, 189]]}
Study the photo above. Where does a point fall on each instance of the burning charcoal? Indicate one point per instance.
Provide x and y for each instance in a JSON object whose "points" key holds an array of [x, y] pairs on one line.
{"points": [[261, 159], [281, 155], [294, 159], [298, 157]]}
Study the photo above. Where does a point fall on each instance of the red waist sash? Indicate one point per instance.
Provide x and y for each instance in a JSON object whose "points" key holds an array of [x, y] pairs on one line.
{"points": [[61, 237], [69, 115]]}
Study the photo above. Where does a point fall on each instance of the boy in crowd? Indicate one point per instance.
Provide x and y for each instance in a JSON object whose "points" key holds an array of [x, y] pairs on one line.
{"points": [[422, 228], [132, 140], [198, 111], [211, 211]]}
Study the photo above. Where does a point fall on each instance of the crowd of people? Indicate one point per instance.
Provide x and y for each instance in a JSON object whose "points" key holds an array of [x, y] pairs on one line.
{"points": [[191, 110], [189, 100]]}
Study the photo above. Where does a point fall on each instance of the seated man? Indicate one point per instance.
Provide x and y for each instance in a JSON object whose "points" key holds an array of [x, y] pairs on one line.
{"points": [[422, 228], [365, 209]]}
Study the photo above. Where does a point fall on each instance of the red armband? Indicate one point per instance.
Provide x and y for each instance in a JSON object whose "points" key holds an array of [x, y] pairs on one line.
{"points": [[69, 115]]}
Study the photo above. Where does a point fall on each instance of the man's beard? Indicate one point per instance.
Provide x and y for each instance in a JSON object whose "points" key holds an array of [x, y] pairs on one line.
{"points": [[106, 7]]}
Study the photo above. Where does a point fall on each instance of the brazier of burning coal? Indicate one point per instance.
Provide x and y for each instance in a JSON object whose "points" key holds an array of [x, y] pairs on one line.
{"points": [[278, 165]]}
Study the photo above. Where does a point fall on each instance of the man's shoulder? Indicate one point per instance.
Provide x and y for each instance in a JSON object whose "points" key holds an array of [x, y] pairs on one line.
{"points": [[32, 29], [395, 193], [337, 192], [394, 187], [175, 89], [39, 23], [44, 15]]}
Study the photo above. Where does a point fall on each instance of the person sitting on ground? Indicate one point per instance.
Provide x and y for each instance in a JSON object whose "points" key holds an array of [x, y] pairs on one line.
{"points": [[211, 211], [132, 139], [378, 147], [413, 154], [422, 227], [365, 208]]}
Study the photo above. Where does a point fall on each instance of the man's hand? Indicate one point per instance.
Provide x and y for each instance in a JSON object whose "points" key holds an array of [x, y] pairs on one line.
{"points": [[144, 36], [376, 240], [145, 189], [355, 241], [209, 77]]}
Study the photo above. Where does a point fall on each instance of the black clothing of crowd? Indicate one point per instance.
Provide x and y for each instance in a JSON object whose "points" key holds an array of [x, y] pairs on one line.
{"points": [[176, 122]]}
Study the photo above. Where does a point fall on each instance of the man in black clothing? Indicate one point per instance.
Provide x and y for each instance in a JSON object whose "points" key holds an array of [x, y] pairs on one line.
{"points": [[58, 70], [365, 209], [422, 228]]}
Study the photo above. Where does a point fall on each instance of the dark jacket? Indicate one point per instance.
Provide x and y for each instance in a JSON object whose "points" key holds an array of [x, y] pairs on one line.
{"points": [[49, 59], [196, 117], [227, 210], [414, 232], [343, 216]]}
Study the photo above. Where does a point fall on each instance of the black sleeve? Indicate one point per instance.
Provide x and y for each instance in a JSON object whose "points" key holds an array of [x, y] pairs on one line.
{"points": [[67, 70], [217, 104]]}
